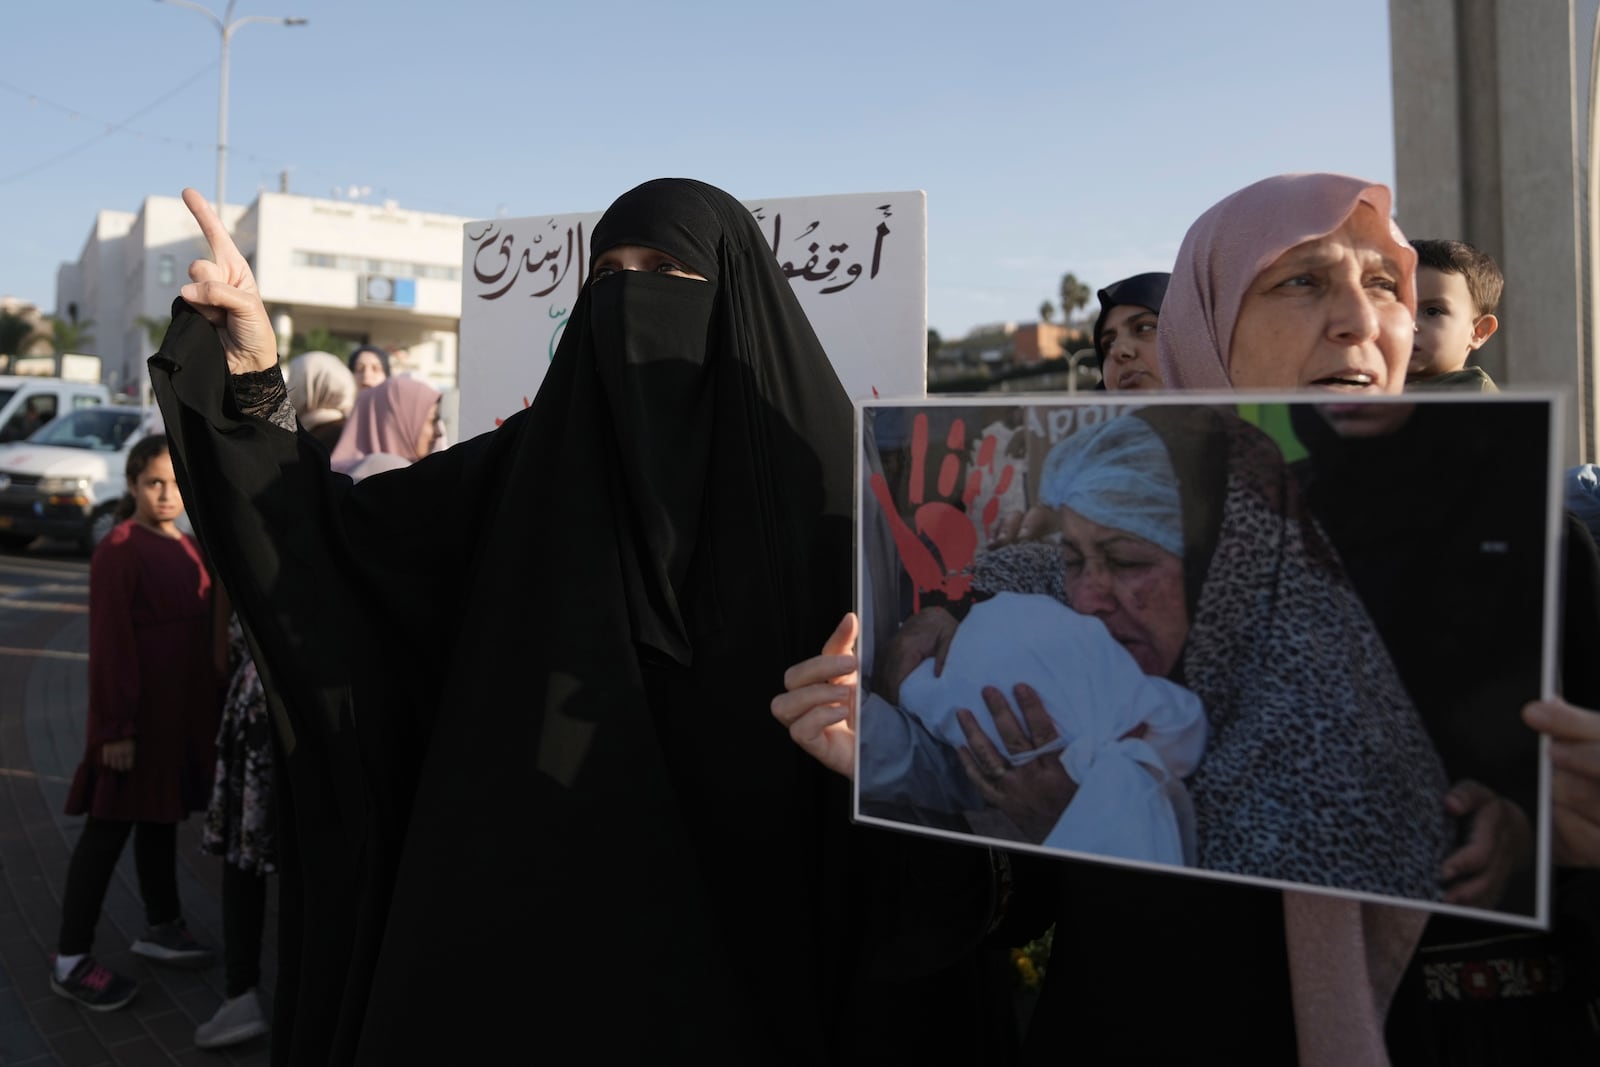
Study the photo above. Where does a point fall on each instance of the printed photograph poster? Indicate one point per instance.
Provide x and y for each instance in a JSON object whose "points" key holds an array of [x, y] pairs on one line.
{"points": [[857, 261], [1250, 641]]}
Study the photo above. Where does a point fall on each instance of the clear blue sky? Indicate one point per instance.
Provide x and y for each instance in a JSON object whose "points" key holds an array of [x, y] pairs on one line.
{"points": [[1050, 136]]}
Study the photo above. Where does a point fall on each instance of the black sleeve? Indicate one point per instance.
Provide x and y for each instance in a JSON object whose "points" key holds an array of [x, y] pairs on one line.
{"points": [[331, 579], [1580, 618]]}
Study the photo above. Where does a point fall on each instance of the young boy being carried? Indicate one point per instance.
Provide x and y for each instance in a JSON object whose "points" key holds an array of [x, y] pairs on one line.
{"points": [[1458, 290]]}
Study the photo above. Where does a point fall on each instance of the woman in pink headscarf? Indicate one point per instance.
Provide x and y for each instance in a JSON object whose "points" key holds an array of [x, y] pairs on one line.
{"points": [[1298, 281], [1304, 282], [394, 424]]}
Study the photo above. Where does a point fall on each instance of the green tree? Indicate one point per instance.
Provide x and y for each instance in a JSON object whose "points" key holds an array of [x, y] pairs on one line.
{"points": [[74, 336], [1074, 295], [154, 328], [935, 342], [15, 333], [319, 339], [1047, 311]]}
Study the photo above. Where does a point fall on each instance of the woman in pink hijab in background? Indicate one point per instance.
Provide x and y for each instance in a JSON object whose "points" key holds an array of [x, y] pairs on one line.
{"points": [[393, 424]]}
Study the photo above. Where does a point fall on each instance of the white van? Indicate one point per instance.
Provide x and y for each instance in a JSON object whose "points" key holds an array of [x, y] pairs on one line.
{"points": [[65, 480], [28, 402]]}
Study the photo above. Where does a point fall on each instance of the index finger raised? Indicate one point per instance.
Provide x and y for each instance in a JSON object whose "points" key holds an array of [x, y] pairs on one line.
{"points": [[216, 234]]}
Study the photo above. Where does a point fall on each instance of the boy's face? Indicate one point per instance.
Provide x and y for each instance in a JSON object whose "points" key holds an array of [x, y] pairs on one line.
{"points": [[1449, 329]]}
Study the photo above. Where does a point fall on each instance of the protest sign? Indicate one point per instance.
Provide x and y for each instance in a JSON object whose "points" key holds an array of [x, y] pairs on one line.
{"points": [[858, 263]]}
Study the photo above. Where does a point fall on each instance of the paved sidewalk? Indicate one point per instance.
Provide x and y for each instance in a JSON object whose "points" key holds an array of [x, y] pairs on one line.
{"points": [[43, 697]]}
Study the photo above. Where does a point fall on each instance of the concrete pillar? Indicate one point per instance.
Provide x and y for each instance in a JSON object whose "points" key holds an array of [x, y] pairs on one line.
{"points": [[1427, 122], [1492, 117]]}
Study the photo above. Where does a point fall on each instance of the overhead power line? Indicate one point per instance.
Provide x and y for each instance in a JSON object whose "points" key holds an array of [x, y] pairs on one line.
{"points": [[111, 127]]}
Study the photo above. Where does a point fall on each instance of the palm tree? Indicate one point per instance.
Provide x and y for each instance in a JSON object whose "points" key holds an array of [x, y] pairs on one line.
{"points": [[64, 336], [1047, 311], [1074, 295], [154, 328]]}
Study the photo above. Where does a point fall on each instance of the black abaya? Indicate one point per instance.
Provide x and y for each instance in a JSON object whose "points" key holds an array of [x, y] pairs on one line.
{"points": [[538, 801], [1440, 526]]}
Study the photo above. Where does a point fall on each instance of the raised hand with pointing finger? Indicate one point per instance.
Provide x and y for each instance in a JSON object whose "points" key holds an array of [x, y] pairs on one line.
{"points": [[223, 290]]}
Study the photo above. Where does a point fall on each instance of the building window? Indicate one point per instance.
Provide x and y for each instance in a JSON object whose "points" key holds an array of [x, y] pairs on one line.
{"points": [[393, 268], [166, 270]]}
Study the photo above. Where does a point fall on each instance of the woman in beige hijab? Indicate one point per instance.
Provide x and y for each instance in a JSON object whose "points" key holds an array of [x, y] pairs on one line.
{"points": [[322, 391]]}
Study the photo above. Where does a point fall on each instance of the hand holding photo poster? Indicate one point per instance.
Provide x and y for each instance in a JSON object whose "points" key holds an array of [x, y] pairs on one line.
{"points": [[1279, 642]]}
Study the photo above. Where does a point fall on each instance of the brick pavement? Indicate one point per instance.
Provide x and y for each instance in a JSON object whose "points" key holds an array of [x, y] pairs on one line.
{"points": [[43, 697]]}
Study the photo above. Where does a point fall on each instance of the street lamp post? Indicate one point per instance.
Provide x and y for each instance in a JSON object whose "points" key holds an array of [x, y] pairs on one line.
{"points": [[226, 25], [1072, 367]]}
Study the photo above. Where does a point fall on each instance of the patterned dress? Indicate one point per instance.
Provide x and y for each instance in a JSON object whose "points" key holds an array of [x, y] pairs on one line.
{"points": [[239, 819]]}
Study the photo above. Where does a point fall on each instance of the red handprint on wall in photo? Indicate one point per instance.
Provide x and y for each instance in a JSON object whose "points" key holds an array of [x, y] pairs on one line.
{"points": [[938, 546]]}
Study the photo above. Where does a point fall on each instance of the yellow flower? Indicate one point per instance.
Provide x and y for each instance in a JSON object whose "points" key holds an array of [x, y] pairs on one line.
{"points": [[1025, 968]]}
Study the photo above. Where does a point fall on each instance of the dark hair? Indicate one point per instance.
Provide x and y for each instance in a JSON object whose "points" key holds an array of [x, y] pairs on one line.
{"points": [[381, 353], [1484, 280], [139, 457]]}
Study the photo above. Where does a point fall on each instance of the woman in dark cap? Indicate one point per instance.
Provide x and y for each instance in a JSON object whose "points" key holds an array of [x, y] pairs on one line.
{"points": [[528, 792], [1125, 331]]}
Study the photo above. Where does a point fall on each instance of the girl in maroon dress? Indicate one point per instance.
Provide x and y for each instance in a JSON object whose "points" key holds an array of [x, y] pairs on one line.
{"points": [[152, 720]]}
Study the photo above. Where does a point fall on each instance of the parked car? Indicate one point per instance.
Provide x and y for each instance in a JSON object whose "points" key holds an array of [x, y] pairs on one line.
{"points": [[65, 480], [28, 402]]}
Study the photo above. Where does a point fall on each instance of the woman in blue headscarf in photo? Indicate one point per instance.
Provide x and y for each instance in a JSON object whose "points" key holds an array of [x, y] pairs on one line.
{"points": [[1117, 736]]}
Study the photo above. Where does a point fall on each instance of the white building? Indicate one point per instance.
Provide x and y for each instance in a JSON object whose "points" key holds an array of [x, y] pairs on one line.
{"points": [[364, 273]]}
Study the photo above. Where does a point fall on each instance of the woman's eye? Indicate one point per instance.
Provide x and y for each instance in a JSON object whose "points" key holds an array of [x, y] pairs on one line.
{"points": [[1298, 281], [1146, 327], [604, 271], [668, 267], [1384, 282]]}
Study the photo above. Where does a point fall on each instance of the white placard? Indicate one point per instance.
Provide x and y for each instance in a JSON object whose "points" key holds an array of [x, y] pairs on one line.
{"points": [[858, 262]]}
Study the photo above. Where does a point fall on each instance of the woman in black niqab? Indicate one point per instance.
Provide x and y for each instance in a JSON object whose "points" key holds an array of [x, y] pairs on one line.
{"points": [[535, 799]]}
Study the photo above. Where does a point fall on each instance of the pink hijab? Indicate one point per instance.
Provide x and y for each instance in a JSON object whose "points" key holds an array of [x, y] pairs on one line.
{"points": [[1346, 957], [387, 418], [1236, 240]]}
